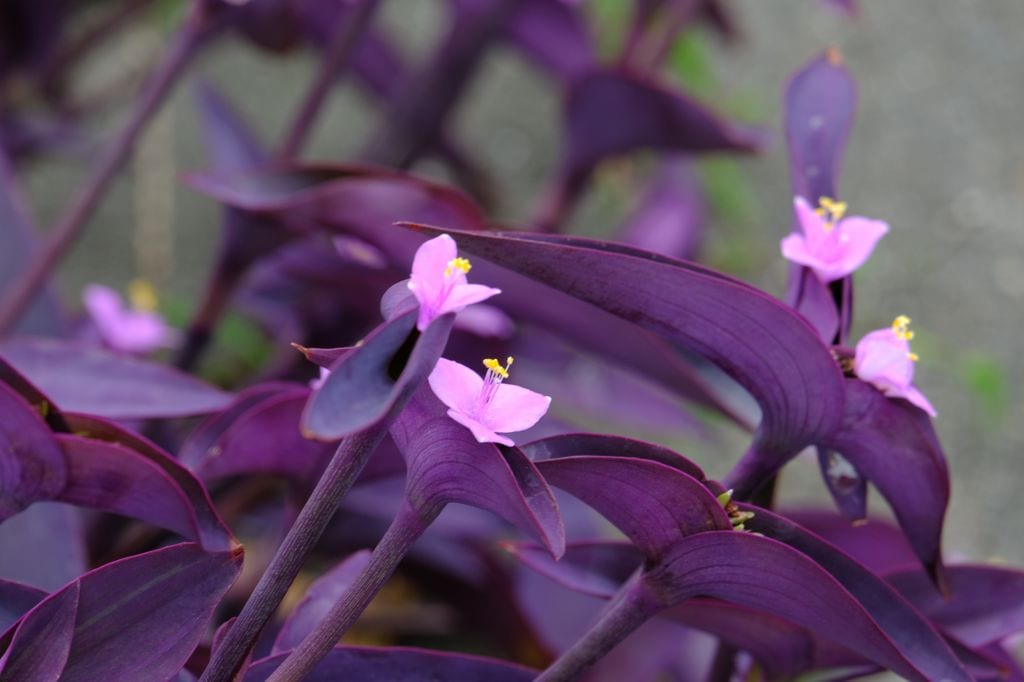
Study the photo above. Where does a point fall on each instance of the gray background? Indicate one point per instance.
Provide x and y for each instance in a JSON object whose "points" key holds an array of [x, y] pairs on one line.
{"points": [[936, 152]]}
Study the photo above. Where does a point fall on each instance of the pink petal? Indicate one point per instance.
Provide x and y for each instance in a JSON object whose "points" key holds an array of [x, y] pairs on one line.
{"points": [[427, 280], [455, 385], [812, 224], [515, 408], [917, 398], [480, 431], [485, 320], [857, 239], [463, 295], [103, 304], [883, 359]]}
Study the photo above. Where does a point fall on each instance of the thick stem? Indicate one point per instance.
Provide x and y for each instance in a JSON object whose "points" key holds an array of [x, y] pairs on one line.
{"points": [[344, 41], [400, 536], [190, 36], [630, 609], [345, 466]]}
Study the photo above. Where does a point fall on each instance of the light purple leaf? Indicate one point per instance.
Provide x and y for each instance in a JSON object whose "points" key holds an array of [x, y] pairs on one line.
{"points": [[374, 381], [669, 217], [43, 546], [136, 618], [893, 444], [38, 648], [84, 379], [758, 341], [596, 568], [320, 597], [396, 664]]}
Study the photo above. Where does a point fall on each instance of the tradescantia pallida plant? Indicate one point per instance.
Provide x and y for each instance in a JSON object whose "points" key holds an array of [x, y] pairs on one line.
{"points": [[413, 472]]}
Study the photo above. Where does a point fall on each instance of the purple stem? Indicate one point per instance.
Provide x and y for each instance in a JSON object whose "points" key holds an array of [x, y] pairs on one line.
{"points": [[407, 526], [346, 37], [345, 466], [628, 611], [198, 25]]}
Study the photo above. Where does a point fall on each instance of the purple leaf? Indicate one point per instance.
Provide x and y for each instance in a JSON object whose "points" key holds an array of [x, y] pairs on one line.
{"points": [[136, 618], [878, 545], [373, 381], [211, 532], [266, 439], [84, 379], [38, 648], [597, 568], [647, 115], [319, 599], [445, 464], [396, 664], [32, 467], [669, 217], [43, 546], [15, 599], [985, 603], [758, 341], [848, 488], [229, 143], [767, 575], [594, 444], [819, 106], [196, 448], [909, 632], [893, 445], [653, 504]]}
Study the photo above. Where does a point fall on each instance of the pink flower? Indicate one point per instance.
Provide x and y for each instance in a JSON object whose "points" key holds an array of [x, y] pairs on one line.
{"points": [[138, 329], [831, 246], [486, 406], [883, 358], [315, 384], [438, 281]]}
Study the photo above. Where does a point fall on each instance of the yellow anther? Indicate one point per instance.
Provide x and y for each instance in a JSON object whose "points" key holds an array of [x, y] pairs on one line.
{"points": [[495, 366], [913, 357], [460, 264], [142, 295], [830, 209], [901, 327]]}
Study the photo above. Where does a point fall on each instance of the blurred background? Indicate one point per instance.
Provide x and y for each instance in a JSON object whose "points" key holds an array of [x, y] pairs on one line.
{"points": [[936, 151]]}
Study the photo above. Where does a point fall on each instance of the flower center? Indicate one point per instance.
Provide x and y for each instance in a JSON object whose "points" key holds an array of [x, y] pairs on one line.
{"points": [[496, 373], [831, 210], [460, 264], [901, 328], [142, 295]]}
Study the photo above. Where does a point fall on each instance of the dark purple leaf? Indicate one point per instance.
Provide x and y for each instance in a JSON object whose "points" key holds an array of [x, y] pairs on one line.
{"points": [[653, 504], [319, 599], [879, 545], [228, 142], [32, 395], [84, 379], [196, 448], [600, 445], [445, 464], [767, 575], [325, 357], [32, 467], [669, 217], [597, 568], [15, 600], [760, 342], [985, 603], [136, 618], [211, 532], [38, 648], [396, 664], [908, 631], [893, 445], [848, 488], [373, 382], [647, 115]]}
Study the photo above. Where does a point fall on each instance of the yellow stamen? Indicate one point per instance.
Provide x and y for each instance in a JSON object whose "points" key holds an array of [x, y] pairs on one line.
{"points": [[142, 295], [495, 366], [831, 210], [901, 327], [460, 264], [913, 357]]}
